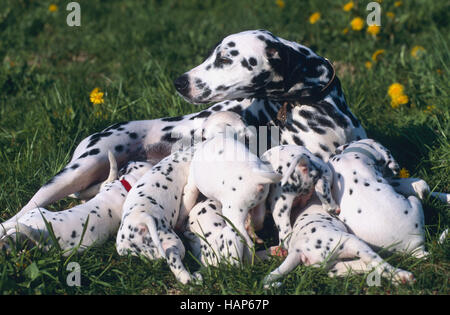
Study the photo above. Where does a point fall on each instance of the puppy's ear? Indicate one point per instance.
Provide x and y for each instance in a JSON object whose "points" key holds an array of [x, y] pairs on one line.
{"points": [[303, 164]]}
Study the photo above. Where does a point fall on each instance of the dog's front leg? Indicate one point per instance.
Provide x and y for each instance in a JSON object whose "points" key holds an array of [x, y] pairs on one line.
{"points": [[281, 212]]}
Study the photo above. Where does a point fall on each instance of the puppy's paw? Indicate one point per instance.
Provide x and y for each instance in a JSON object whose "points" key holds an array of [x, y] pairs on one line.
{"points": [[403, 277], [421, 188]]}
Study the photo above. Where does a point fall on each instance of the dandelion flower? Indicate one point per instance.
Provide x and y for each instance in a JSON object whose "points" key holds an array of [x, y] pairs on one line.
{"points": [[53, 8], [345, 31], [96, 97], [368, 65], [357, 24], [404, 173], [280, 3], [377, 53], [398, 100], [416, 51], [314, 17], [430, 109], [348, 6], [398, 3], [373, 29], [390, 14], [395, 89]]}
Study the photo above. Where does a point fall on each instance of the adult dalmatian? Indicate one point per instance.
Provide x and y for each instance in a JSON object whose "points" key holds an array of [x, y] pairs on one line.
{"points": [[267, 80]]}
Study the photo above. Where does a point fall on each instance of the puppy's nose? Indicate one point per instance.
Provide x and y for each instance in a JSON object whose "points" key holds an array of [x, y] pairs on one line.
{"points": [[182, 84]]}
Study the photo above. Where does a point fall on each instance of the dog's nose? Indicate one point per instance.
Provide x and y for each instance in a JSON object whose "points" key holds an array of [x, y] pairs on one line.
{"points": [[182, 84]]}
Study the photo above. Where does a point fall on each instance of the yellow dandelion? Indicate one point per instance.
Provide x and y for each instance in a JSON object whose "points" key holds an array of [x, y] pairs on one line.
{"points": [[404, 173], [395, 89], [377, 53], [416, 51], [348, 6], [398, 100], [368, 65], [390, 14], [96, 96], [357, 24], [345, 31], [373, 29], [314, 17], [439, 71], [53, 8], [430, 109], [280, 3], [398, 3]]}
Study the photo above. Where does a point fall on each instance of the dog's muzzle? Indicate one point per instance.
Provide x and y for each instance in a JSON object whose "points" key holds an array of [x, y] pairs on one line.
{"points": [[182, 85]]}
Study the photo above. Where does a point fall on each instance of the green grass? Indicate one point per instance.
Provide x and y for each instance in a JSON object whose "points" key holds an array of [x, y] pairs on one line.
{"points": [[133, 50]]}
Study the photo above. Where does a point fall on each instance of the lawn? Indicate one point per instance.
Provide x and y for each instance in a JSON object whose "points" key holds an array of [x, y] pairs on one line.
{"points": [[132, 50]]}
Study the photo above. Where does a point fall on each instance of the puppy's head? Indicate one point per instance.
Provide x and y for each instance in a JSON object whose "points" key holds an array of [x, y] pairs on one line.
{"points": [[382, 157], [134, 170], [301, 175]]}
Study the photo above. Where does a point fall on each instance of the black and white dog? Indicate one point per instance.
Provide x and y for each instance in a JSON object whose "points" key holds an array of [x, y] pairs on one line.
{"points": [[267, 80]]}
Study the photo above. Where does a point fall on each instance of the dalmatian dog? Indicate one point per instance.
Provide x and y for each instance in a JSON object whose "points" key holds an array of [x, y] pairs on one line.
{"points": [[254, 74], [211, 240], [102, 214], [319, 239], [303, 173], [151, 211], [224, 169], [370, 205]]}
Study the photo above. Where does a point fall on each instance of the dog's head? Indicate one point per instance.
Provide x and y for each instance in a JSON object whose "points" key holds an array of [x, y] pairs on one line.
{"points": [[382, 157], [255, 64], [301, 175]]}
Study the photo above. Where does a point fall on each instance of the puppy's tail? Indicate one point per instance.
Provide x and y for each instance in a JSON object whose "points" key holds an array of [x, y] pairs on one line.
{"points": [[266, 177], [153, 230]]}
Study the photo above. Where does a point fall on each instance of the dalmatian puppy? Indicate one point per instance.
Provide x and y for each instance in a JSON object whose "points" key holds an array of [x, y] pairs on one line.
{"points": [[370, 206], [319, 239], [303, 173], [224, 169], [102, 214], [151, 212], [211, 239], [251, 73]]}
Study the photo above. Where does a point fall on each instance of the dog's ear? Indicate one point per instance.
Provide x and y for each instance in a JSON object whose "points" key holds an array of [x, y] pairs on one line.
{"points": [[294, 66]]}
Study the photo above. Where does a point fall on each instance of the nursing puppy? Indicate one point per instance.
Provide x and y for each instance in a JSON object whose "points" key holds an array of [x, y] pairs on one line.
{"points": [[102, 215], [319, 239], [370, 206], [210, 238], [303, 173], [224, 169]]}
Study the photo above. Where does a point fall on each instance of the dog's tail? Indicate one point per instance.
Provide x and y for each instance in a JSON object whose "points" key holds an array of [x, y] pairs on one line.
{"points": [[153, 230], [266, 177]]}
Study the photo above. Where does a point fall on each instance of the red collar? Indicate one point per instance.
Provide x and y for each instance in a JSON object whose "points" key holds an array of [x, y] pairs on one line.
{"points": [[125, 184]]}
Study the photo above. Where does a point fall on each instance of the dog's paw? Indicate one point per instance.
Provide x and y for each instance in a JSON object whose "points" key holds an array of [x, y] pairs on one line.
{"points": [[403, 277], [197, 278], [421, 188]]}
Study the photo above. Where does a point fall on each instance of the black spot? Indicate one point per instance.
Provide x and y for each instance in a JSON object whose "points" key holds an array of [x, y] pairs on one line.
{"points": [[75, 166], [252, 61], [119, 148], [94, 152], [234, 52], [133, 135]]}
